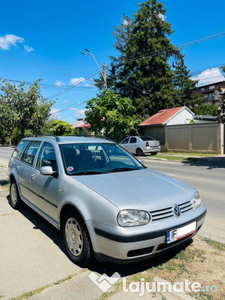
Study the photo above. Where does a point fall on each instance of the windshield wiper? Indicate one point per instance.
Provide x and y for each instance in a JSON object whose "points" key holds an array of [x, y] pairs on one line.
{"points": [[122, 169], [87, 173]]}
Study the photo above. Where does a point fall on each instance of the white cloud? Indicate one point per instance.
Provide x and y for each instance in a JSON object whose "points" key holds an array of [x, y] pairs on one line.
{"points": [[87, 84], [162, 17], [77, 81], [54, 113], [10, 40], [28, 48], [78, 113], [59, 83], [125, 22], [66, 102], [209, 76]]}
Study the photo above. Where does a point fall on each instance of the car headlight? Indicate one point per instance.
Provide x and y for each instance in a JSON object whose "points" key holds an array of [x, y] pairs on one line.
{"points": [[196, 201], [129, 218]]}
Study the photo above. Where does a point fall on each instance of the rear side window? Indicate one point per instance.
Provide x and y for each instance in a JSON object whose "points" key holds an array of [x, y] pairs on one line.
{"points": [[19, 149], [133, 140], [146, 138], [30, 152]]}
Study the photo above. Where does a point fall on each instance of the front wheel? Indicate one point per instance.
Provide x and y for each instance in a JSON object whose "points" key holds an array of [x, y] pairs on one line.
{"points": [[76, 239], [15, 200]]}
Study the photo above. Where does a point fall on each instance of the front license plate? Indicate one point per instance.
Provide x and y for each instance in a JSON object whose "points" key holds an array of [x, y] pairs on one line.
{"points": [[180, 233]]}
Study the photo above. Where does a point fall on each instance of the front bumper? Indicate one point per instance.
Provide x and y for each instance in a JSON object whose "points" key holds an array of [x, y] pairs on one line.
{"points": [[123, 248]]}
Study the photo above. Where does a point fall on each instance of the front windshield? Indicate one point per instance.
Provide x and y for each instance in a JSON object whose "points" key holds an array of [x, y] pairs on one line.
{"points": [[96, 158]]}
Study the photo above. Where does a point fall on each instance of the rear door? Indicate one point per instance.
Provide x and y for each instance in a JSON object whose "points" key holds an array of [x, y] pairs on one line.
{"points": [[133, 145], [26, 168], [45, 187]]}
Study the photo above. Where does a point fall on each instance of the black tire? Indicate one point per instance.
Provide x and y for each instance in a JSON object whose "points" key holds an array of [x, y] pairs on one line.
{"points": [[153, 153], [15, 200], [76, 239], [139, 152]]}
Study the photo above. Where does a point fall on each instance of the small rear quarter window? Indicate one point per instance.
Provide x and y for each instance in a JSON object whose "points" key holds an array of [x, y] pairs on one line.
{"points": [[19, 149]]}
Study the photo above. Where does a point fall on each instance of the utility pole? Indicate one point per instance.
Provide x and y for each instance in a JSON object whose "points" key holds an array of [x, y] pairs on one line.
{"points": [[104, 77], [104, 67]]}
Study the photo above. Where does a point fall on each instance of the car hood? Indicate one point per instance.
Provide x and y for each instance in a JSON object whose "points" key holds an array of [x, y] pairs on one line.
{"points": [[142, 189]]}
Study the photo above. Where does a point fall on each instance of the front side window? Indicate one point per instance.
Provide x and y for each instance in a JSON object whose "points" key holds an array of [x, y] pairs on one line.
{"points": [[19, 149], [125, 141], [30, 152], [85, 159], [47, 157]]}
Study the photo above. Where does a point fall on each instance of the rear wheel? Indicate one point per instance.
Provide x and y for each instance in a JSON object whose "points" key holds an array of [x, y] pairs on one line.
{"points": [[139, 152], [76, 239], [15, 200]]}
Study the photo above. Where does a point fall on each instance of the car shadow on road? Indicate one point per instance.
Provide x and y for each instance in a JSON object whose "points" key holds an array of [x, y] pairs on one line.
{"points": [[3, 182], [136, 267], [39, 223], [209, 162]]}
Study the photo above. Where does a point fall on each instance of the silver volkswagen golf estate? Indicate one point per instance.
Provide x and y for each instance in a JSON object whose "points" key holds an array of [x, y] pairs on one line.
{"points": [[106, 203]]}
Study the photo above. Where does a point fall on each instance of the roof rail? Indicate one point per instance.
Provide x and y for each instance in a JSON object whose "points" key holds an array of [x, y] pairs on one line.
{"points": [[47, 135], [92, 136]]}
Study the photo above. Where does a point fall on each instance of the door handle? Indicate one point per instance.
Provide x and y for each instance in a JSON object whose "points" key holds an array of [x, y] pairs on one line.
{"points": [[18, 168], [33, 177]]}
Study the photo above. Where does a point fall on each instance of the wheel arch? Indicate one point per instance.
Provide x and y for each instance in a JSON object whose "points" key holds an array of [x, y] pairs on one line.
{"points": [[68, 207], [12, 178]]}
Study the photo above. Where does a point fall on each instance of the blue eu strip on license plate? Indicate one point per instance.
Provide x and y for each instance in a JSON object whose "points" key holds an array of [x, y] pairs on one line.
{"points": [[180, 233]]}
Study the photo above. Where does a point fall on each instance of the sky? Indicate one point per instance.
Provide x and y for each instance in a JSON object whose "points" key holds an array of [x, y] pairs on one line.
{"points": [[43, 39]]}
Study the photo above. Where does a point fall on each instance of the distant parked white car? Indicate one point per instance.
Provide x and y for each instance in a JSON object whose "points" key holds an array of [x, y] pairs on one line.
{"points": [[140, 145]]}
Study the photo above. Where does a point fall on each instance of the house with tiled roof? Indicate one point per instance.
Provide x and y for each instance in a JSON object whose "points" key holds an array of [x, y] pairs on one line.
{"points": [[155, 125]]}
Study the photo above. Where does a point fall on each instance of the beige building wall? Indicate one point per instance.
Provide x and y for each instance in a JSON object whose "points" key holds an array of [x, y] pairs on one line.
{"points": [[195, 138]]}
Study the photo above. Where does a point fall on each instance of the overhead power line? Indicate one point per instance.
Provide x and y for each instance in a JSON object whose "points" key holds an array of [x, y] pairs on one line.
{"points": [[73, 105], [183, 45], [48, 85], [41, 65], [179, 46], [74, 85]]}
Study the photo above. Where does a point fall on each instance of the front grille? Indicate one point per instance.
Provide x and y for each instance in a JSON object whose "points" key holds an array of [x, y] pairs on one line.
{"points": [[166, 213]]}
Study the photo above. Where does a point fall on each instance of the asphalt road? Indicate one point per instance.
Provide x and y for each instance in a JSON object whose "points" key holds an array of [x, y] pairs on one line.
{"points": [[5, 153], [32, 253], [210, 182]]}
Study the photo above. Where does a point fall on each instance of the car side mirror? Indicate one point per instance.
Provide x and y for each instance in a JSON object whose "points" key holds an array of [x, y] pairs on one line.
{"points": [[46, 170]]}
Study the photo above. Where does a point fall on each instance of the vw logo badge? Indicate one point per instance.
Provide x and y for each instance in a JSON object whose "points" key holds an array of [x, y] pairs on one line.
{"points": [[176, 210]]}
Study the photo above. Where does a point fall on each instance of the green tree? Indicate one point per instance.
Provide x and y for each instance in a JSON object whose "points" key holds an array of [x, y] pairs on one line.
{"points": [[112, 114], [58, 127], [206, 109], [143, 70], [23, 109], [122, 34], [184, 85]]}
